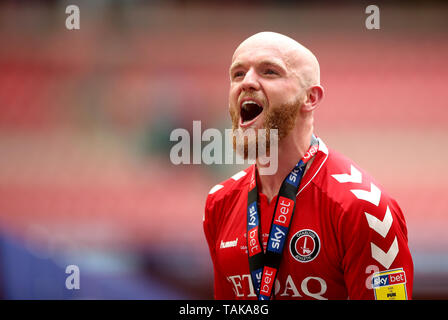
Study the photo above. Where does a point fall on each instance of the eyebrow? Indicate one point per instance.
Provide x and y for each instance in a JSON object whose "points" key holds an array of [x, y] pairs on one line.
{"points": [[236, 65], [262, 63], [272, 63]]}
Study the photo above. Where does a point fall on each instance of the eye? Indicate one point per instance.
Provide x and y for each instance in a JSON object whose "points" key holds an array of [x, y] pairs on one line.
{"points": [[270, 71], [237, 74]]}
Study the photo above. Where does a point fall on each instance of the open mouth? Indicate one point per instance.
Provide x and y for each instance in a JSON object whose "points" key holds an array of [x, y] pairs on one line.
{"points": [[250, 110]]}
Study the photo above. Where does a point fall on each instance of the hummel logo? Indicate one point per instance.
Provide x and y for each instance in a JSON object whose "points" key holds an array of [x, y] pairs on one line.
{"points": [[228, 244]]}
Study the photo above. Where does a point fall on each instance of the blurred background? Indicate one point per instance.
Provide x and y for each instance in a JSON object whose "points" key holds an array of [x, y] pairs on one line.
{"points": [[86, 117]]}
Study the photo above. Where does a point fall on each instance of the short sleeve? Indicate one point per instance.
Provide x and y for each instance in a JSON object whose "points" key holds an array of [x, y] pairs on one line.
{"points": [[377, 262]]}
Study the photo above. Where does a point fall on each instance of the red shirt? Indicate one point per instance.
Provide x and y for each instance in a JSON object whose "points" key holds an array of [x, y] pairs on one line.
{"points": [[347, 240]]}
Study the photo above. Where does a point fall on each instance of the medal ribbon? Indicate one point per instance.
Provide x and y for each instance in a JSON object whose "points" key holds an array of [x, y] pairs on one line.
{"points": [[264, 266]]}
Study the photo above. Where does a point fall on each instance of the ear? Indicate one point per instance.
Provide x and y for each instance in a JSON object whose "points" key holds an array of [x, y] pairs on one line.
{"points": [[314, 96]]}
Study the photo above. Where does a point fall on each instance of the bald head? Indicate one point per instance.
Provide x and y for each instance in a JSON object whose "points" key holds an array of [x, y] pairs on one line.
{"points": [[275, 84], [298, 59]]}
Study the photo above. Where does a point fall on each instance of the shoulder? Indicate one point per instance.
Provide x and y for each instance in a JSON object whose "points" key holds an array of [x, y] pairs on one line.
{"points": [[362, 201], [229, 189], [367, 216], [346, 183]]}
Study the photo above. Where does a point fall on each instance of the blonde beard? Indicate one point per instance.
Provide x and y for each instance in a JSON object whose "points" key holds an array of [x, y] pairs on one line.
{"points": [[282, 118]]}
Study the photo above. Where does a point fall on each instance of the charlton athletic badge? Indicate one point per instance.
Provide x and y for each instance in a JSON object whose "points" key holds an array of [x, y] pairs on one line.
{"points": [[305, 245]]}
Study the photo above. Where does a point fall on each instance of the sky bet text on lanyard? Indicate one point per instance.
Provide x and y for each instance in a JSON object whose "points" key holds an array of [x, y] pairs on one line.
{"points": [[264, 265]]}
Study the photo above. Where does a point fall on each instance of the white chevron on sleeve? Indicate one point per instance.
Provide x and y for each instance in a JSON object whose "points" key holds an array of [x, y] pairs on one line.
{"points": [[386, 259], [239, 175], [215, 188], [380, 226], [355, 176], [373, 196]]}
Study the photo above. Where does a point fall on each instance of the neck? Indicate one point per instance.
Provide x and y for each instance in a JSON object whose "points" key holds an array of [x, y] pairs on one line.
{"points": [[290, 150]]}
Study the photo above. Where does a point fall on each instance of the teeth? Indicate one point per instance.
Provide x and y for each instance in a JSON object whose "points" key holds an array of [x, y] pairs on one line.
{"points": [[249, 102]]}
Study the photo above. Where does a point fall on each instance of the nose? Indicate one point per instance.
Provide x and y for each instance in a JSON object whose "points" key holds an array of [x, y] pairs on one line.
{"points": [[250, 81]]}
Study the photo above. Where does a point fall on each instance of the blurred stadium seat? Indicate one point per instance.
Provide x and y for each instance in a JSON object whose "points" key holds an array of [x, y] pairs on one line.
{"points": [[85, 118]]}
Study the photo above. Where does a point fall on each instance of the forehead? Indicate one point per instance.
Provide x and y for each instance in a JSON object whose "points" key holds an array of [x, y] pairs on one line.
{"points": [[256, 53]]}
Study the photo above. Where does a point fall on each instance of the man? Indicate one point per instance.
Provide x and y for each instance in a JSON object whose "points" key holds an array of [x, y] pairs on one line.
{"points": [[320, 227]]}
